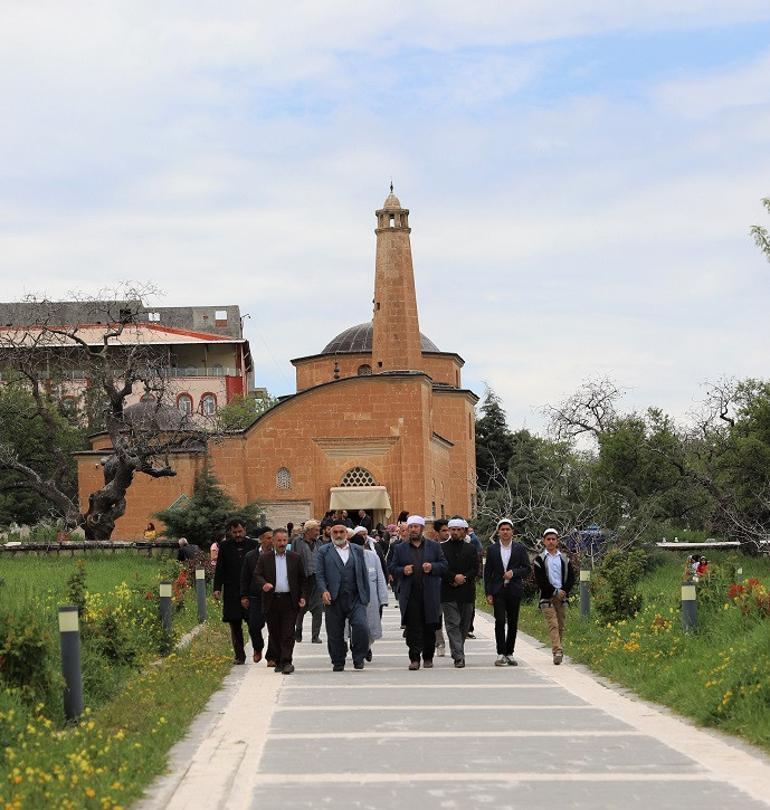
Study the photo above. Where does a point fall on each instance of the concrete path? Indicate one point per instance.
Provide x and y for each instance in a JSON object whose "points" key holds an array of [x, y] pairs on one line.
{"points": [[533, 736]]}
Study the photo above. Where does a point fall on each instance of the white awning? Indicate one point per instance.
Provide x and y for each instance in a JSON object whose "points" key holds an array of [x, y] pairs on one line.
{"points": [[360, 498]]}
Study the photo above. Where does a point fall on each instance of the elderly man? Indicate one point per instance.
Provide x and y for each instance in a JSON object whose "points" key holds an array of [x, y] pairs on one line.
{"points": [[458, 589], [308, 546], [227, 575], [187, 551], [418, 567], [343, 580], [504, 574], [555, 577]]}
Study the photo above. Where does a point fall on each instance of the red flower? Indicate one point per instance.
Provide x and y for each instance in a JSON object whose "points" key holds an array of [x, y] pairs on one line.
{"points": [[734, 591]]}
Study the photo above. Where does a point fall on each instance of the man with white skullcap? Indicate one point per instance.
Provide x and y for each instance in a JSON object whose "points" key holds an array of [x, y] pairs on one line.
{"points": [[417, 567], [458, 588], [555, 577], [504, 574]]}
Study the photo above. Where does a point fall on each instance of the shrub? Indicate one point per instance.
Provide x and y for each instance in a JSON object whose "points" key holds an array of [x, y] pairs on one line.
{"points": [[26, 645], [76, 586], [615, 588]]}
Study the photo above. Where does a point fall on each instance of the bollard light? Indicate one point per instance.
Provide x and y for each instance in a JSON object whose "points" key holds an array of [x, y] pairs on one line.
{"points": [[69, 635], [165, 607], [689, 606], [200, 591], [585, 592]]}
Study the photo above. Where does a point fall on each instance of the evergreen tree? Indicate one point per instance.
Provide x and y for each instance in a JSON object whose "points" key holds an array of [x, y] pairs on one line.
{"points": [[202, 519], [494, 442]]}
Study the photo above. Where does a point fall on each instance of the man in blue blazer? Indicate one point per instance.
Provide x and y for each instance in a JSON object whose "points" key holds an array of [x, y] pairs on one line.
{"points": [[342, 577], [417, 567], [504, 574]]}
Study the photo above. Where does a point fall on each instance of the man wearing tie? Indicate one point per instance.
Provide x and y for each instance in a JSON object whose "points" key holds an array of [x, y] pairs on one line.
{"points": [[504, 574], [280, 576]]}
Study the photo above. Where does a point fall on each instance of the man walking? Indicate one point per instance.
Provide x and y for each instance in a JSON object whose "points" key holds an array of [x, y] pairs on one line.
{"points": [[418, 567], [307, 546], [555, 577], [251, 599], [343, 581], [441, 528], [280, 576], [227, 575], [507, 567], [458, 588]]}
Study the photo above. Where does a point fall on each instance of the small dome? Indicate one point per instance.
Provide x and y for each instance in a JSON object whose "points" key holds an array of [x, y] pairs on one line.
{"points": [[149, 415], [392, 202], [359, 339]]}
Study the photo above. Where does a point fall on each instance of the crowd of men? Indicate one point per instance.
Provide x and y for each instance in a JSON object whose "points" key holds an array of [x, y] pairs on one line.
{"points": [[343, 576]]}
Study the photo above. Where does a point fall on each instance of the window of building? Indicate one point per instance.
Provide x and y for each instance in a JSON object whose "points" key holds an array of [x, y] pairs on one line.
{"points": [[153, 316], [209, 404], [358, 477], [443, 511], [220, 315], [185, 404], [365, 370], [283, 478], [433, 508]]}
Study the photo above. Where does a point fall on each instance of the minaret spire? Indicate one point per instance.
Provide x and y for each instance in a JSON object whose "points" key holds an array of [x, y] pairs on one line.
{"points": [[396, 329]]}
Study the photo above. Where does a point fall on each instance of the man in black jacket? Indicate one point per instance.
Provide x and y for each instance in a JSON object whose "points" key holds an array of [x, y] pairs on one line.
{"points": [[251, 600], [458, 588], [504, 574], [227, 575], [555, 577]]}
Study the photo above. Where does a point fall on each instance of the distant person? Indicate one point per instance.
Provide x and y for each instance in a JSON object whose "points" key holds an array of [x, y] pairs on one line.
{"points": [[150, 533], [251, 600], [703, 567], [504, 574], [227, 576], [364, 520], [214, 551], [458, 588], [308, 546], [441, 528], [378, 592], [555, 577], [281, 577], [187, 551]]}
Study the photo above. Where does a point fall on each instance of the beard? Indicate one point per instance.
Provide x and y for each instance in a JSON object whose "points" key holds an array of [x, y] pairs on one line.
{"points": [[340, 541]]}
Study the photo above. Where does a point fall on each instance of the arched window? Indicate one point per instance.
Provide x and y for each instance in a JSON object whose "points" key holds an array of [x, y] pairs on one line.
{"points": [[209, 404], [283, 478], [184, 402], [365, 370], [358, 477]]}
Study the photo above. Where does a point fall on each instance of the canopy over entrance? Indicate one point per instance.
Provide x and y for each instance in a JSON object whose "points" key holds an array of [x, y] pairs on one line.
{"points": [[352, 498]]}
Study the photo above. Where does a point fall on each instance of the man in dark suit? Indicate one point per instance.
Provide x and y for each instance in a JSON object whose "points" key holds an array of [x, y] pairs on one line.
{"points": [[342, 577], [504, 574], [418, 567], [227, 575], [251, 599], [280, 575]]}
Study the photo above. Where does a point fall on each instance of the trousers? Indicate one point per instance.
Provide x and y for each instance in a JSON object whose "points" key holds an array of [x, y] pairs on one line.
{"points": [[420, 635], [315, 607], [506, 610], [555, 613], [281, 618], [457, 620], [346, 607]]}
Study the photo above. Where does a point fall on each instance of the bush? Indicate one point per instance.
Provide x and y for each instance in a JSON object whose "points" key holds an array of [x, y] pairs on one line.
{"points": [[615, 588]]}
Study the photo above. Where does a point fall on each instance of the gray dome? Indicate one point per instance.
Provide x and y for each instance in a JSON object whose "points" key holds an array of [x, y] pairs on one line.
{"points": [[359, 339], [148, 415]]}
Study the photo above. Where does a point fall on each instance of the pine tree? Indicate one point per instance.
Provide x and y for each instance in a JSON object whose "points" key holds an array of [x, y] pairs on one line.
{"points": [[494, 441], [202, 519]]}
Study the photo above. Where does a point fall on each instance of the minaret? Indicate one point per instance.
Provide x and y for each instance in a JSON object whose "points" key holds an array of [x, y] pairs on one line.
{"points": [[395, 325]]}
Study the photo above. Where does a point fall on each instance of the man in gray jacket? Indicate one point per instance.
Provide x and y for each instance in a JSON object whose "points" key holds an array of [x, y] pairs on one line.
{"points": [[307, 546]]}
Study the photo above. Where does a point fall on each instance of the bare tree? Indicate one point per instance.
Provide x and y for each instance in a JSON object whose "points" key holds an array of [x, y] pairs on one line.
{"points": [[97, 341], [590, 410]]}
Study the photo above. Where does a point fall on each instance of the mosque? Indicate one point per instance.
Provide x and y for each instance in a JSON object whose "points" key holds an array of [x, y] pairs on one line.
{"points": [[380, 421]]}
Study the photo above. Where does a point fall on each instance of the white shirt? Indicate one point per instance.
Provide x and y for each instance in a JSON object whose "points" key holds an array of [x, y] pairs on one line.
{"points": [[281, 574], [344, 552], [553, 568], [505, 554]]}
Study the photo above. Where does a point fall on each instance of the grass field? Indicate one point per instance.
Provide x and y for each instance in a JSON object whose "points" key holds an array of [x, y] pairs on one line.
{"points": [[718, 675]]}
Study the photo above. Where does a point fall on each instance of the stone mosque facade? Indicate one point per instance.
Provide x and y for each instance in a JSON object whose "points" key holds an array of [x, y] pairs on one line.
{"points": [[380, 420]]}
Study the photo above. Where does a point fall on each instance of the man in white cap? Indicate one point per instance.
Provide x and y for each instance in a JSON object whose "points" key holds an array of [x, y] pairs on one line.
{"points": [[458, 588], [418, 567], [555, 577], [504, 574]]}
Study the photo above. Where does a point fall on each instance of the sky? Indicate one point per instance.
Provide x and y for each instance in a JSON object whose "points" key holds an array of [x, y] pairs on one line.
{"points": [[581, 176]]}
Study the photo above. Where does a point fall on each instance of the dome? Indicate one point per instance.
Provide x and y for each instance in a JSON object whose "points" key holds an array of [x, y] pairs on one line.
{"points": [[359, 339], [392, 202], [148, 415]]}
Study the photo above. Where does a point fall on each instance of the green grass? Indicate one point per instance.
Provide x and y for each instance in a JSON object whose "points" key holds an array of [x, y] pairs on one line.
{"points": [[114, 753], [719, 675]]}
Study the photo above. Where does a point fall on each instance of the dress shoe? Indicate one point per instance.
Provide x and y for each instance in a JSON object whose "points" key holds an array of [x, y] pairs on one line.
{"points": [[358, 665], [511, 661], [288, 669], [470, 635], [459, 663], [257, 656], [316, 640], [558, 658], [239, 661], [338, 667], [414, 665], [278, 668], [271, 663], [428, 664], [369, 654], [298, 637]]}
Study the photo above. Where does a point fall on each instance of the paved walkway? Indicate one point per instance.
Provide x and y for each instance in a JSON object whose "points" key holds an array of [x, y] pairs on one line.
{"points": [[534, 736]]}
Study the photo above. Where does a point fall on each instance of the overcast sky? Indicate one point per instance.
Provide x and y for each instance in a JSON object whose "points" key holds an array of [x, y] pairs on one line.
{"points": [[581, 176]]}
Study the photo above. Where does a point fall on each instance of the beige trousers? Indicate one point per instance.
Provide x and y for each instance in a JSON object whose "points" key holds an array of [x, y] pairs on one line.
{"points": [[555, 613]]}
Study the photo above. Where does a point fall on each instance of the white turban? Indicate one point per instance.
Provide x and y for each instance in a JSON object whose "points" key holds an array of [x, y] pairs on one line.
{"points": [[457, 523], [504, 521], [415, 519], [359, 530]]}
